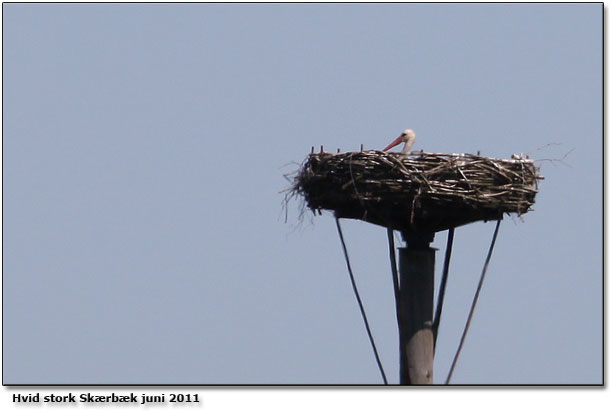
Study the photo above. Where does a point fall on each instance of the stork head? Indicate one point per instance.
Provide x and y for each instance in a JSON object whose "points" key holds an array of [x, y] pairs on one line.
{"points": [[408, 134], [408, 137]]}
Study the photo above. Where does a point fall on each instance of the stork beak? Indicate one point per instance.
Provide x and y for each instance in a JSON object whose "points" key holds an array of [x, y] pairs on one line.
{"points": [[397, 141]]}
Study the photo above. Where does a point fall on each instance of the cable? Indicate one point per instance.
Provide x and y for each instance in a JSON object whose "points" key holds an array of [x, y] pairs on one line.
{"points": [[395, 284], [442, 286], [479, 287], [393, 268], [358, 299]]}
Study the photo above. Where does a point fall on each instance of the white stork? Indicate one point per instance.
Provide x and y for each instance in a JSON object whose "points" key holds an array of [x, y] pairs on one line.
{"points": [[408, 137]]}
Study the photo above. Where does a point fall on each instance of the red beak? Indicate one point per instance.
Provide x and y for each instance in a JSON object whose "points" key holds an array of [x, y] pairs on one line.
{"points": [[394, 143]]}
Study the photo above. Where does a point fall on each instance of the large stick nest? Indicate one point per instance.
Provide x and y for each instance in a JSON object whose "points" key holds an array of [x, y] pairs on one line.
{"points": [[421, 192]]}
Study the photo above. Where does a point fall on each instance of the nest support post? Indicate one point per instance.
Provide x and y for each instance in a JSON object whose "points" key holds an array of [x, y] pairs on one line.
{"points": [[416, 274], [418, 194]]}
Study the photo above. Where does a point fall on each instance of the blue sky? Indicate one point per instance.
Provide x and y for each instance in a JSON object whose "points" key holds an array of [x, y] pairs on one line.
{"points": [[144, 148]]}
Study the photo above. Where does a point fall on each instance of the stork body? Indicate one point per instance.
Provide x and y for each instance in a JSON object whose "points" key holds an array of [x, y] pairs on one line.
{"points": [[408, 137]]}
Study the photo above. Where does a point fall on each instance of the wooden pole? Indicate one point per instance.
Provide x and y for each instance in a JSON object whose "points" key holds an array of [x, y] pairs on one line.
{"points": [[416, 270]]}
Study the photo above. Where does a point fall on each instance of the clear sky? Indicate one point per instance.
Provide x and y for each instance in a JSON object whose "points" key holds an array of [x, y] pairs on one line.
{"points": [[144, 148]]}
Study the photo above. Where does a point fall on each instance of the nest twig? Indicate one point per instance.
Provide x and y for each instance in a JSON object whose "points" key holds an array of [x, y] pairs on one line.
{"points": [[421, 192]]}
